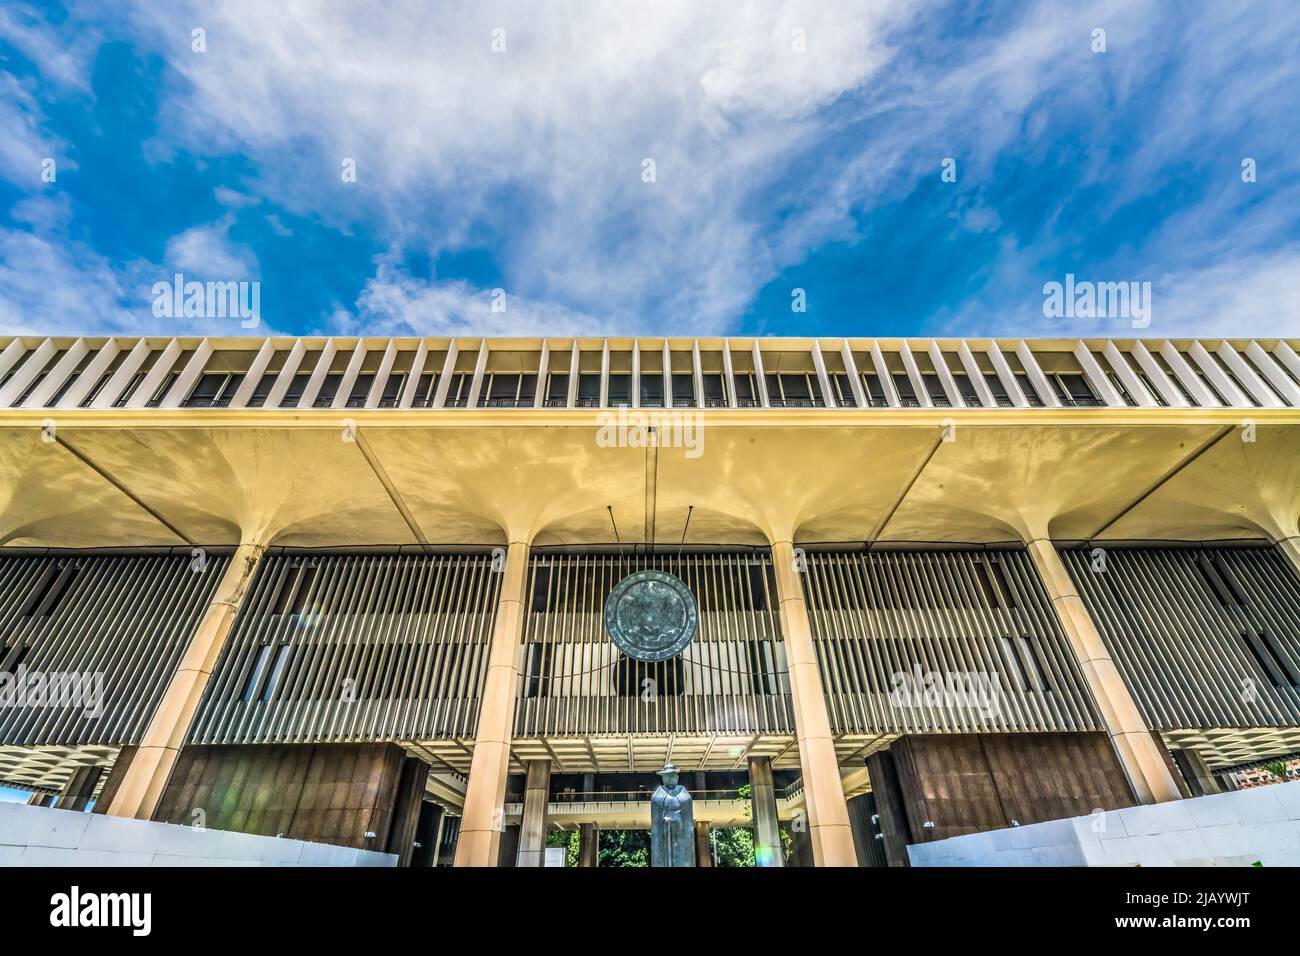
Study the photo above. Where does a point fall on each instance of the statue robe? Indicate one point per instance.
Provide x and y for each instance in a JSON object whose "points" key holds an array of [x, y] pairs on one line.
{"points": [[672, 827]]}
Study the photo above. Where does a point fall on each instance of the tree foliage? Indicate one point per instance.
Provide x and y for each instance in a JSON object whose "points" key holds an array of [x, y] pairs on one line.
{"points": [[570, 840], [625, 848]]}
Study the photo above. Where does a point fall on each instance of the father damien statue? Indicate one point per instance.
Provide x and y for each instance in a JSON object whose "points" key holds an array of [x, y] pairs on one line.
{"points": [[672, 823]]}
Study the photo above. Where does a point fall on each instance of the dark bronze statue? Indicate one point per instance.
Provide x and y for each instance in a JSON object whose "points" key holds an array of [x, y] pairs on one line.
{"points": [[672, 823]]}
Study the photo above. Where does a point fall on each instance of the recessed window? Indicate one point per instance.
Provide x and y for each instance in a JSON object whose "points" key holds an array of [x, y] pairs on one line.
{"points": [[458, 390], [1241, 385], [906, 394], [328, 389], [652, 390], [970, 396], [715, 391], [875, 390], [32, 386], [842, 385], [1000, 394], [213, 390], [297, 386], [746, 391], [1154, 392], [1027, 389], [425, 390], [793, 390], [557, 390], [934, 388], [161, 391], [392, 393], [262, 391], [94, 392], [360, 390], [588, 390], [620, 390], [1073, 390]]}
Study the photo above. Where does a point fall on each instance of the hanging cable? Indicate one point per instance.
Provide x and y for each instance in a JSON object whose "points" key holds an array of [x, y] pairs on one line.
{"points": [[614, 525], [689, 510]]}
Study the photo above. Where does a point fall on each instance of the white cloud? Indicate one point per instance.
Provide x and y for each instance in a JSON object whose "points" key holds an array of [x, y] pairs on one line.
{"points": [[58, 287], [542, 145], [23, 146], [1243, 298], [394, 303], [205, 253], [63, 54], [53, 284], [537, 152]]}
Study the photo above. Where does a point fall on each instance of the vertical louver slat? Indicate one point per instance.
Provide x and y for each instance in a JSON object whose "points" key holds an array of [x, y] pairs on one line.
{"points": [[118, 626], [940, 642], [574, 682], [381, 646], [1205, 637]]}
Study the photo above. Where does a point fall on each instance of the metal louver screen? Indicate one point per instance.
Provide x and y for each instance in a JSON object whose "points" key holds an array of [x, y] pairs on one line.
{"points": [[104, 632], [941, 641], [730, 679], [1204, 637], [361, 647]]}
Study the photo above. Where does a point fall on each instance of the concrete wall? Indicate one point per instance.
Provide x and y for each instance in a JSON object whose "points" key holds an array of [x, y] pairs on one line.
{"points": [[40, 836], [1225, 829]]}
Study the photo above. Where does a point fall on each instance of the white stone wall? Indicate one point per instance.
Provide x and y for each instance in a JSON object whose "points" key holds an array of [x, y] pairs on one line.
{"points": [[41, 836], [1227, 829]]}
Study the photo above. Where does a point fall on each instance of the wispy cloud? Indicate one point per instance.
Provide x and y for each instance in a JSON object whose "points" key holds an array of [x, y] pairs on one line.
{"points": [[500, 145]]}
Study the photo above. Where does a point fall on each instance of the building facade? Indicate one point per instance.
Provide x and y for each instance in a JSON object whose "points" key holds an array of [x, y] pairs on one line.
{"points": [[352, 590]]}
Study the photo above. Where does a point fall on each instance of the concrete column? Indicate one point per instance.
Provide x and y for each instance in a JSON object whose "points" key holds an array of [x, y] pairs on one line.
{"points": [[1201, 780], [427, 832], [436, 857], [508, 847], [828, 815], [142, 785], [39, 799], [762, 800], [1148, 772], [532, 831], [479, 842], [703, 845], [76, 795], [588, 845]]}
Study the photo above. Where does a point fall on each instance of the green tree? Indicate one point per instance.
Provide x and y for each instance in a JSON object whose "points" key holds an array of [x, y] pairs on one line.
{"points": [[740, 840], [569, 839], [733, 846], [625, 848]]}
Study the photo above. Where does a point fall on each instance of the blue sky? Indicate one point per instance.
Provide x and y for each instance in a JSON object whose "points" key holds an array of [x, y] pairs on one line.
{"points": [[795, 146]]}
